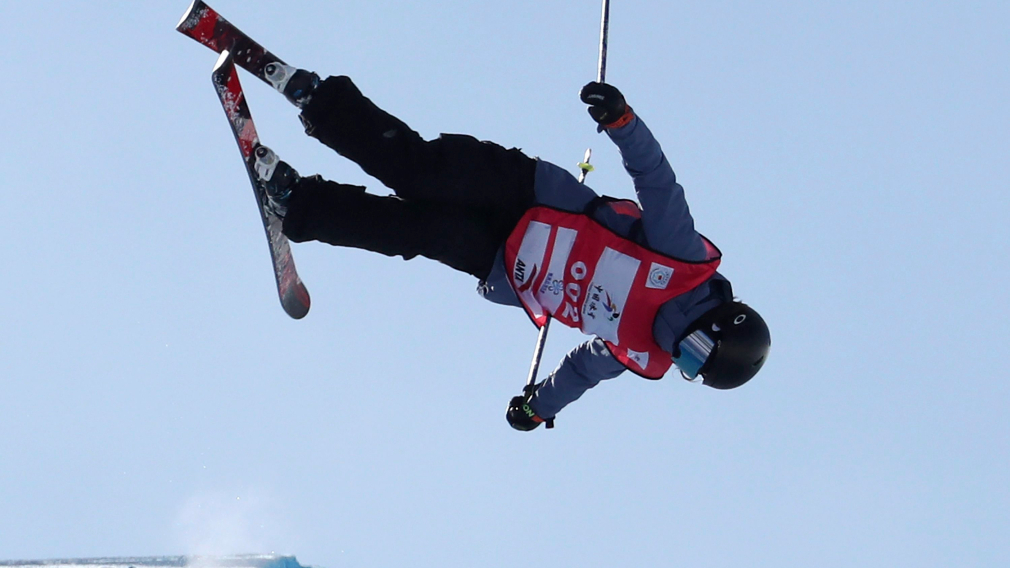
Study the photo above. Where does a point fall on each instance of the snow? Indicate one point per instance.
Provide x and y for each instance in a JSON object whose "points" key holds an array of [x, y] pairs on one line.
{"points": [[232, 561]]}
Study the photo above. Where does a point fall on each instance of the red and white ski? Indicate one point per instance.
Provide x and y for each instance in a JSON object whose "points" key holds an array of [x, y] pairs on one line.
{"points": [[294, 297], [206, 26]]}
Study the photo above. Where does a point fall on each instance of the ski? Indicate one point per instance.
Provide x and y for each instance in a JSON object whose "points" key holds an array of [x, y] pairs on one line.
{"points": [[294, 297], [206, 26]]}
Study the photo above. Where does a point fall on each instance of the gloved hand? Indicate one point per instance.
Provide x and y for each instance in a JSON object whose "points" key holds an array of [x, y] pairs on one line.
{"points": [[608, 106], [520, 416]]}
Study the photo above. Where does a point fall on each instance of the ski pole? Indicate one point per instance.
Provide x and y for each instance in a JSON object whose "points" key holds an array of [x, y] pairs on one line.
{"points": [[601, 76], [537, 354], [585, 168]]}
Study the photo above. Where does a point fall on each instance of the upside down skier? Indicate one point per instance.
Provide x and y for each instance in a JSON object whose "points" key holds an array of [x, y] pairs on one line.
{"points": [[636, 276]]}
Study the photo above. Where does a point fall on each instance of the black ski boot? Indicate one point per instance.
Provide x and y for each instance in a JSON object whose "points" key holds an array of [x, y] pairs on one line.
{"points": [[277, 178], [295, 84]]}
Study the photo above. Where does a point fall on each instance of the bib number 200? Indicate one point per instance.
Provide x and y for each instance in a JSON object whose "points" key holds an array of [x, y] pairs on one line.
{"points": [[573, 292]]}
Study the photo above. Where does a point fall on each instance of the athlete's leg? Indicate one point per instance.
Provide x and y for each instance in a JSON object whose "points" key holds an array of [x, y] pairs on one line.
{"points": [[453, 169], [345, 215]]}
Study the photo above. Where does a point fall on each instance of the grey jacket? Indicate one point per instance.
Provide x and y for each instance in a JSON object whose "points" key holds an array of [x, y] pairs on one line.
{"points": [[666, 227]]}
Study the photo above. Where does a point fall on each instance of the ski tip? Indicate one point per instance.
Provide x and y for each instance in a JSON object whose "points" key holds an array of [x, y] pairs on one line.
{"points": [[224, 63], [191, 17]]}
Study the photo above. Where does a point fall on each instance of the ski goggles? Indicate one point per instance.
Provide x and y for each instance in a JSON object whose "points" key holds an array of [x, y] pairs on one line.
{"points": [[695, 349]]}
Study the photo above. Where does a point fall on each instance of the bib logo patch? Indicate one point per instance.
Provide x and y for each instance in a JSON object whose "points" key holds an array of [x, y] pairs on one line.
{"points": [[613, 310], [640, 359], [659, 276], [551, 285], [598, 299], [529, 283], [520, 271]]}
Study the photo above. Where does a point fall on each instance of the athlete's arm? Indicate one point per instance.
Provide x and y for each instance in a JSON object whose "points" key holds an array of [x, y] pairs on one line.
{"points": [[582, 369], [666, 218]]}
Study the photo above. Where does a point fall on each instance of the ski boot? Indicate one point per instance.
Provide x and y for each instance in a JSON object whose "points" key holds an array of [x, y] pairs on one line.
{"points": [[277, 179], [295, 84]]}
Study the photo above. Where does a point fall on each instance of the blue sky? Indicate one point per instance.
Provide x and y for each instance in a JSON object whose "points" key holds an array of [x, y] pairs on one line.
{"points": [[849, 159]]}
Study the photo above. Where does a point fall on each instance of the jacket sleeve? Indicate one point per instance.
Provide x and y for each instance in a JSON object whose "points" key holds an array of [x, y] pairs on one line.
{"points": [[666, 219], [582, 369]]}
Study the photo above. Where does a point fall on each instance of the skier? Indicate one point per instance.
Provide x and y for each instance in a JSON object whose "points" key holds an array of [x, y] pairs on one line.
{"points": [[639, 278]]}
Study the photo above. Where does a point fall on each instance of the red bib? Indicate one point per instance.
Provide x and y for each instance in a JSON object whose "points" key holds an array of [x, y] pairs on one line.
{"points": [[572, 268]]}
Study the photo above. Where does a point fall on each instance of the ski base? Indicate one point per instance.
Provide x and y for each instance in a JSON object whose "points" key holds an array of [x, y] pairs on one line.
{"points": [[293, 294]]}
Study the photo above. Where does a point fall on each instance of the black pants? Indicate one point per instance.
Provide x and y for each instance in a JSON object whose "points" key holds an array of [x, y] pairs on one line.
{"points": [[457, 198]]}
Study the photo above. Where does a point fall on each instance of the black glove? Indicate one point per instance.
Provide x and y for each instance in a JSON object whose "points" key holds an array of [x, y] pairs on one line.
{"points": [[520, 416], [608, 106]]}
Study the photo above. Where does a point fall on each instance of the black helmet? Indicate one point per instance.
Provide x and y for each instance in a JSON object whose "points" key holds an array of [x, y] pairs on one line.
{"points": [[725, 347]]}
